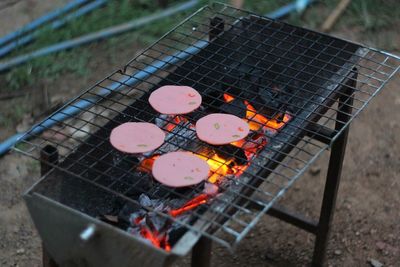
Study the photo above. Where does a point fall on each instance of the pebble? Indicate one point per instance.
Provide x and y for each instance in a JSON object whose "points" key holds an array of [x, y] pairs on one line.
{"points": [[315, 170], [375, 263], [338, 252], [20, 251], [380, 245]]}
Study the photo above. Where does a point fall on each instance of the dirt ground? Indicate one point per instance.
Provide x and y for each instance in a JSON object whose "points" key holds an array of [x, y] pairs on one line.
{"points": [[366, 224]]}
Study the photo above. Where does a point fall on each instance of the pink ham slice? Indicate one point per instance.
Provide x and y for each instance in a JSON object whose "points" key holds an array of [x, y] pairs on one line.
{"points": [[221, 129], [179, 169], [137, 137], [173, 99]]}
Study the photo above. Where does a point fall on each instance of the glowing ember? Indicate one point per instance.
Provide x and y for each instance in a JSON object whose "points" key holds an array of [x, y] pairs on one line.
{"points": [[147, 164], [219, 167], [252, 146], [159, 240], [191, 204], [257, 121], [175, 121], [228, 98]]}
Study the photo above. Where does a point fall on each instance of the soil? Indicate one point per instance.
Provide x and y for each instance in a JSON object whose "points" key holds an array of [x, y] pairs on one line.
{"points": [[366, 223]]}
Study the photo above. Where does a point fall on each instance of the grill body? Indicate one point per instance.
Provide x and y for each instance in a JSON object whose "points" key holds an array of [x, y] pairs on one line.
{"points": [[278, 68]]}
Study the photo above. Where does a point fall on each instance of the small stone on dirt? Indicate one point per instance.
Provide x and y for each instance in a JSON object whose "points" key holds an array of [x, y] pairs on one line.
{"points": [[380, 245], [315, 170], [338, 252], [375, 263], [20, 251]]}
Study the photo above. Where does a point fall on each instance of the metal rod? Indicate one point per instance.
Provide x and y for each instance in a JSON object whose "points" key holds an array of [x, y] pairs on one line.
{"points": [[201, 253], [320, 133], [334, 174], [217, 26], [287, 216], [295, 219], [48, 157]]}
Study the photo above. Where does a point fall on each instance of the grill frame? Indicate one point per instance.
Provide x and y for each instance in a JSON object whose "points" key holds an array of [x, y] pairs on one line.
{"points": [[316, 131]]}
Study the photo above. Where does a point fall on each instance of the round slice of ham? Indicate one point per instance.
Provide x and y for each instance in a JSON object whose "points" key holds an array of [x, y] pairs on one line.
{"points": [[179, 169], [173, 99], [221, 129], [137, 137]]}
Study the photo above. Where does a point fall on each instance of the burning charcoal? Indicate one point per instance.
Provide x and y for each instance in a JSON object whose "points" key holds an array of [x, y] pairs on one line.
{"points": [[235, 107], [272, 102], [144, 200], [127, 210], [232, 152], [212, 99]]}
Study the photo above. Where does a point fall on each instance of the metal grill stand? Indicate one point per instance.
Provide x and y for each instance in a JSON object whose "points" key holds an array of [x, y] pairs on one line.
{"points": [[201, 254], [276, 67]]}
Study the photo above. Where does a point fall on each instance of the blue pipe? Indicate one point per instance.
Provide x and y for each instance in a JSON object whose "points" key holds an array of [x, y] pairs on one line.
{"points": [[71, 110], [103, 34], [289, 8], [40, 21], [55, 25]]}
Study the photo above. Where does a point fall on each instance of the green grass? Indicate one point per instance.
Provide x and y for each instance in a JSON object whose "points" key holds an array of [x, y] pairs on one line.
{"points": [[371, 15], [115, 12]]}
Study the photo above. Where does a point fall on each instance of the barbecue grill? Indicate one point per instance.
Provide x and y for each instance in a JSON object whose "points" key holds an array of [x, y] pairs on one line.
{"points": [[298, 90]]}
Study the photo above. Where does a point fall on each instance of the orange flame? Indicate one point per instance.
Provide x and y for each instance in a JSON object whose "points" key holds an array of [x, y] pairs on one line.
{"points": [[176, 120], [157, 239], [147, 164], [219, 167], [228, 98], [257, 121], [191, 204]]}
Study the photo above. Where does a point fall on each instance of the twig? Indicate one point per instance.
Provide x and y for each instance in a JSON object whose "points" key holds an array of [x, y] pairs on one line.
{"points": [[333, 17], [8, 4], [11, 95]]}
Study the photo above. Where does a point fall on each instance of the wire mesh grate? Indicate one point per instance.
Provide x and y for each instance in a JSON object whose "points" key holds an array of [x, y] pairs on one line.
{"points": [[284, 80]]}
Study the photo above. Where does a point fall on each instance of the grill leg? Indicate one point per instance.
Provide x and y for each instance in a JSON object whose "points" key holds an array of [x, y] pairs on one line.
{"points": [[201, 253], [334, 173], [48, 154]]}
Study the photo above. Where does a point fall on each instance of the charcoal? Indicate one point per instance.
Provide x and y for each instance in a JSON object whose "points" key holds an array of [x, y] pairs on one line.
{"points": [[126, 211], [235, 107], [229, 151]]}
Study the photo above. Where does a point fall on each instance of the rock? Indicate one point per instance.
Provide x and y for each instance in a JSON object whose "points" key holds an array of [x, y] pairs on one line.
{"points": [[375, 263], [380, 245], [337, 252], [357, 233], [20, 251], [315, 170]]}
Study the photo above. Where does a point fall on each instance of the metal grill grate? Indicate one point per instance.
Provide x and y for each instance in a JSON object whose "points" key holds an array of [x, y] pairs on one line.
{"points": [[301, 73]]}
